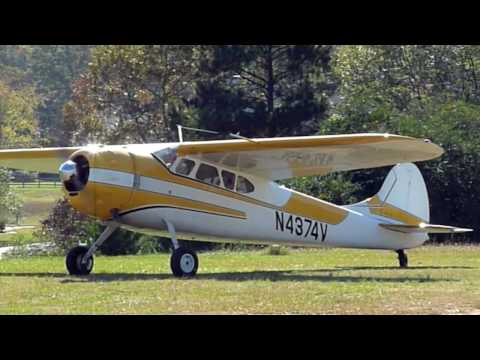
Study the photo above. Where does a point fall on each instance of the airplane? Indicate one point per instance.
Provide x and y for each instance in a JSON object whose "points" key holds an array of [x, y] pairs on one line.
{"points": [[227, 191]]}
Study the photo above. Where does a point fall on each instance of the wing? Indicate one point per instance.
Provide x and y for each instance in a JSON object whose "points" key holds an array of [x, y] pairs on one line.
{"points": [[425, 228], [283, 158], [46, 160]]}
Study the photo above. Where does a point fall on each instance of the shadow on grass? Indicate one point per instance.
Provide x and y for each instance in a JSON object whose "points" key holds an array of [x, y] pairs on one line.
{"points": [[320, 275], [409, 268]]}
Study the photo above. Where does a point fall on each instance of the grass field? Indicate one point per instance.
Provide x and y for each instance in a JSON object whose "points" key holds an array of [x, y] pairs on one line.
{"points": [[441, 280], [37, 204]]}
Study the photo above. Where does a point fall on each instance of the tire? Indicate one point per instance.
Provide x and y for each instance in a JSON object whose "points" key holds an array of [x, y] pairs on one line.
{"points": [[74, 264], [403, 260], [184, 263]]}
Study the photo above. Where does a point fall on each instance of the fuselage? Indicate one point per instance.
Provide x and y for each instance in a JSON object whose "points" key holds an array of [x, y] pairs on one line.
{"points": [[219, 203]]}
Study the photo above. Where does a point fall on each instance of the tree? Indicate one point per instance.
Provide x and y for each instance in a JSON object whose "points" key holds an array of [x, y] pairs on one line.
{"points": [[402, 77], [48, 72], [54, 68], [424, 92], [10, 204], [133, 93], [14, 66], [264, 90], [18, 122]]}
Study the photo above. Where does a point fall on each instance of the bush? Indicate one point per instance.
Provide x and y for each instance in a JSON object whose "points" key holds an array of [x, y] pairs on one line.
{"points": [[66, 228], [276, 250]]}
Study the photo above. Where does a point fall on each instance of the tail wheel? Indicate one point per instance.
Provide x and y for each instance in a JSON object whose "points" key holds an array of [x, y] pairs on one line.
{"points": [[74, 263], [184, 262]]}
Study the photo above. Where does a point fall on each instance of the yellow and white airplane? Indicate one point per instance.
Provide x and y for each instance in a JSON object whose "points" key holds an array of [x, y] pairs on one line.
{"points": [[226, 191]]}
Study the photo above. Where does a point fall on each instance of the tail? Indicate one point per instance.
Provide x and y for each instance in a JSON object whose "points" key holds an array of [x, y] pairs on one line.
{"points": [[403, 203]]}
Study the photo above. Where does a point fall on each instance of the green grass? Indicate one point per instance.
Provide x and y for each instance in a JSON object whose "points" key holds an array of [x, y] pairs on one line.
{"points": [[441, 280]]}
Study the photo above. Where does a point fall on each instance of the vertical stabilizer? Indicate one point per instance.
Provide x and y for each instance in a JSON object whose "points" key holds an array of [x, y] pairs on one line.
{"points": [[403, 196]]}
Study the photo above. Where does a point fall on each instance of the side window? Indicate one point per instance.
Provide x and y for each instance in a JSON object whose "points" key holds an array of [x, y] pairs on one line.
{"points": [[208, 174], [185, 167], [244, 186], [228, 179]]}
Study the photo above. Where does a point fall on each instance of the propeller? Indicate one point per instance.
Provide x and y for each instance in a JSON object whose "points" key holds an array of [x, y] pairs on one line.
{"points": [[74, 174]]}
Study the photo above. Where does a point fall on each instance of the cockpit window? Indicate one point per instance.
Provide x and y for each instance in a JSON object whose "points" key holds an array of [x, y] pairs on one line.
{"points": [[167, 156], [184, 167], [244, 186], [208, 174], [228, 179]]}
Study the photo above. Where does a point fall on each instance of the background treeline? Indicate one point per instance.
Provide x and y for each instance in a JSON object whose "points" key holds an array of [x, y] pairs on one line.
{"points": [[58, 95]]}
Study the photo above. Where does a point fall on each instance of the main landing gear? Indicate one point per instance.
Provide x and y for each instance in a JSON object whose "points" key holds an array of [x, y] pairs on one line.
{"points": [[79, 261], [402, 259], [183, 262]]}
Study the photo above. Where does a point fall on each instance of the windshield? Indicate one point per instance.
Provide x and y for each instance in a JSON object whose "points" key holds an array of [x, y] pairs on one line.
{"points": [[167, 156]]}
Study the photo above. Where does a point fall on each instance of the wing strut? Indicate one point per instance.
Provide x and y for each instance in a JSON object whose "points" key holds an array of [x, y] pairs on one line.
{"points": [[235, 136]]}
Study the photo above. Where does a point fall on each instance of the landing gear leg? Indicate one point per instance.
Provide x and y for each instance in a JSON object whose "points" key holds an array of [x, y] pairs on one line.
{"points": [[183, 262], [402, 259], [79, 260]]}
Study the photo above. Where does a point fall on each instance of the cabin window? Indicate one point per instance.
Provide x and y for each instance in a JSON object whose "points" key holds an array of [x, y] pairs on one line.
{"points": [[185, 167], [244, 186], [228, 179], [208, 174]]}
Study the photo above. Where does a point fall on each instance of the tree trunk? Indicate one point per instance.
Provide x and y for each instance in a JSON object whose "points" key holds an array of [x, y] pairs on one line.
{"points": [[270, 91]]}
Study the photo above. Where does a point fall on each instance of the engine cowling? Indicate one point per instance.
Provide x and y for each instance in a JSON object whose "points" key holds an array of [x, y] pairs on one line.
{"points": [[99, 180]]}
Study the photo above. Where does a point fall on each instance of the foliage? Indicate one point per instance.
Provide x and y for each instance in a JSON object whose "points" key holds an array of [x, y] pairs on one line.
{"points": [[263, 90], [18, 124], [44, 74], [409, 90], [66, 227], [276, 250], [133, 93], [11, 205], [54, 68], [336, 188]]}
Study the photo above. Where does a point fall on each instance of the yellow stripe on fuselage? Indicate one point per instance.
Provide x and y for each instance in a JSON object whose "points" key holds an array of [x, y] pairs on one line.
{"points": [[392, 212], [137, 199], [315, 209]]}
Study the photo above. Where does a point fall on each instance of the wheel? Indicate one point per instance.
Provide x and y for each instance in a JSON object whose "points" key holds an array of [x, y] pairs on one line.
{"points": [[184, 262], [402, 259], [74, 261]]}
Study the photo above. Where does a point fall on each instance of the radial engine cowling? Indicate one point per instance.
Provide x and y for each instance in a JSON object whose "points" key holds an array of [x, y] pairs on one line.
{"points": [[98, 180]]}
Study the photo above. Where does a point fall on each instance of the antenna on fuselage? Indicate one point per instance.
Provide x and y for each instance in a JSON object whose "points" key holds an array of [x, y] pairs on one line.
{"points": [[236, 136]]}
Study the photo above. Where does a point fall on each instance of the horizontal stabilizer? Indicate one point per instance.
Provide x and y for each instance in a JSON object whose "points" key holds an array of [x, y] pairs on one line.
{"points": [[425, 228]]}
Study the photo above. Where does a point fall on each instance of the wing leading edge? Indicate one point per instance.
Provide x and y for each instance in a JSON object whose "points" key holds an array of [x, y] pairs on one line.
{"points": [[45, 160]]}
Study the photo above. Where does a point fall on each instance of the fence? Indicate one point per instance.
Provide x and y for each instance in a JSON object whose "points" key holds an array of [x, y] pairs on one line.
{"points": [[35, 184]]}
